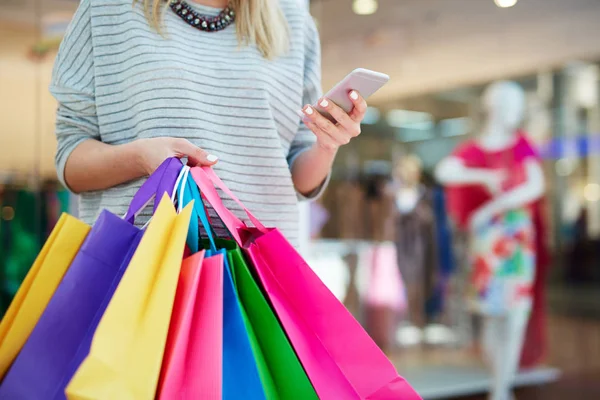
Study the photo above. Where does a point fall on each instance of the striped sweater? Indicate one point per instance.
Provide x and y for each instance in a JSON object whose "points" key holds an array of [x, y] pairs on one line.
{"points": [[116, 80]]}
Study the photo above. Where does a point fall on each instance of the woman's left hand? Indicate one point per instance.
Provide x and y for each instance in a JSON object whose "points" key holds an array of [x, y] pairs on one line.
{"points": [[331, 136]]}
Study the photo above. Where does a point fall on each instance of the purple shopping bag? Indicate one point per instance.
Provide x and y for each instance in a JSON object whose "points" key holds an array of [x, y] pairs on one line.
{"points": [[62, 338]]}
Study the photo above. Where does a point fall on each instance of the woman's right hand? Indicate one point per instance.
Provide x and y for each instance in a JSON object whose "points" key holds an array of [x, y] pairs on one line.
{"points": [[152, 152]]}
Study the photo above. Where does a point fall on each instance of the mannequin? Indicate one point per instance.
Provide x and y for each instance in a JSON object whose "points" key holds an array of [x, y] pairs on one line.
{"points": [[500, 178], [413, 225]]}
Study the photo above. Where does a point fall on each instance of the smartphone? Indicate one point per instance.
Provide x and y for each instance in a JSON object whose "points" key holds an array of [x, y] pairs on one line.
{"points": [[364, 81]]}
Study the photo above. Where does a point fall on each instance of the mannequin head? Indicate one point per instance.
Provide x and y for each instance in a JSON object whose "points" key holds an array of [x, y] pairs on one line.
{"points": [[504, 104], [408, 170]]}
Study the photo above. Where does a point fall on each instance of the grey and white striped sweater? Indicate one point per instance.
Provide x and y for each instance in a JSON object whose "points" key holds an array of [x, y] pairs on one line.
{"points": [[116, 80]]}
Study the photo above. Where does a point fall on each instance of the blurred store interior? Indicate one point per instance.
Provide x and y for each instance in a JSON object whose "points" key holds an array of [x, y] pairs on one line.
{"points": [[441, 56]]}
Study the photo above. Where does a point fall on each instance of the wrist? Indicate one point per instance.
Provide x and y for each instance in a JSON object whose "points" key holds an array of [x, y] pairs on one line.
{"points": [[133, 155], [324, 152]]}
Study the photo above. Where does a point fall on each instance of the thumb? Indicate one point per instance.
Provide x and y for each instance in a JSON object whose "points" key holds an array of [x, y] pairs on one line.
{"points": [[195, 155]]}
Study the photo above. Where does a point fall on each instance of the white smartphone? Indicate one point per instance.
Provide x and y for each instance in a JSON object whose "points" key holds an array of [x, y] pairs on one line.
{"points": [[364, 81]]}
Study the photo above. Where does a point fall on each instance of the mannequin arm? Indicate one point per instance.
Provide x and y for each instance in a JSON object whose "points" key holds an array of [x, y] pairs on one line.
{"points": [[452, 171], [528, 192]]}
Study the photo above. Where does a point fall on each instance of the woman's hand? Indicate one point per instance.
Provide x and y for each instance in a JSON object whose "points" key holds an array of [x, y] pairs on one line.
{"points": [[94, 165], [311, 167], [152, 152], [331, 136]]}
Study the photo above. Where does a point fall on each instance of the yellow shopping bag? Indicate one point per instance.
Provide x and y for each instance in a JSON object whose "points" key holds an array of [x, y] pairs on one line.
{"points": [[127, 350], [38, 287]]}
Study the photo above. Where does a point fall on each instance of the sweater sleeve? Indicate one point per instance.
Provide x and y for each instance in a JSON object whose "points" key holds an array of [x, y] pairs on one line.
{"points": [[304, 138], [73, 87]]}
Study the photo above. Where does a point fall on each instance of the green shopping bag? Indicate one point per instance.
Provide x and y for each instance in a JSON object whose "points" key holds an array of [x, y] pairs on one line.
{"points": [[280, 370]]}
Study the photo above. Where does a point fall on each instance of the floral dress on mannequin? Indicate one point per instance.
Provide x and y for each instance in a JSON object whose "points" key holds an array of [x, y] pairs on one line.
{"points": [[503, 252]]}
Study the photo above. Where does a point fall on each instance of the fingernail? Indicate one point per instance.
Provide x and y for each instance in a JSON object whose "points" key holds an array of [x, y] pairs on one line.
{"points": [[309, 110], [353, 95], [212, 158], [324, 103]]}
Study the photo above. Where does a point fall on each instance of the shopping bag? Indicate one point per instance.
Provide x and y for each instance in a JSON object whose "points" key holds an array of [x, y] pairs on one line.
{"points": [[193, 362], [127, 349], [341, 360], [72, 315], [241, 378], [38, 287], [280, 364]]}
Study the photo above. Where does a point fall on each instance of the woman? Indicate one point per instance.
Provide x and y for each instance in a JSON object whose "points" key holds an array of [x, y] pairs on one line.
{"points": [[206, 80]]}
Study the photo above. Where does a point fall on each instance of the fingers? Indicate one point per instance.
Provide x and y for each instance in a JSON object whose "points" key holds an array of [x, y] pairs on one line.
{"points": [[322, 127], [317, 119], [342, 118], [360, 106], [195, 155], [325, 140]]}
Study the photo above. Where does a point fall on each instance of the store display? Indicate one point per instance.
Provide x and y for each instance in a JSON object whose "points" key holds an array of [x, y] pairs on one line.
{"points": [[492, 183]]}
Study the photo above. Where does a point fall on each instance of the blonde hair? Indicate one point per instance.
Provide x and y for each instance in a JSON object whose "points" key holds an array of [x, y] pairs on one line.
{"points": [[259, 22]]}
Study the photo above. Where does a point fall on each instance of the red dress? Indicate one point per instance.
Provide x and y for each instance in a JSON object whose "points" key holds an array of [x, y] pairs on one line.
{"points": [[464, 200]]}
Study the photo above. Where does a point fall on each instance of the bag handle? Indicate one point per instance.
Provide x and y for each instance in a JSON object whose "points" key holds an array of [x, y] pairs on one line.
{"points": [[173, 195], [206, 179], [163, 180], [188, 192], [221, 185]]}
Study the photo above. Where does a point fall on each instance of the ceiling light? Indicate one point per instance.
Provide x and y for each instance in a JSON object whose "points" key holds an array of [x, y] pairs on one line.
{"points": [[364, 7], [505, 3]]}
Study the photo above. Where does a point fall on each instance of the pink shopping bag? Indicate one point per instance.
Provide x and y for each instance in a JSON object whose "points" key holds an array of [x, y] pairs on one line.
{"points": [[193, 363], [340, 358]]}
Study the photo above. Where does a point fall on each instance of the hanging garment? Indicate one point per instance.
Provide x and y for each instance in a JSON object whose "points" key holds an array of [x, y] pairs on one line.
{"points": [[385, 292], [414, 236], [445, 256]]}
